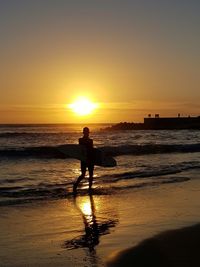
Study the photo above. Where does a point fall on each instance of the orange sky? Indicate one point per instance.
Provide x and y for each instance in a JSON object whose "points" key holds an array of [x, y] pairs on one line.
{"points": [[132, 58]]}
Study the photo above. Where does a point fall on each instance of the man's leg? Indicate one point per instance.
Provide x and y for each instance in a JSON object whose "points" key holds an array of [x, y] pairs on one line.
{"points": [[91, 171], [83, 171]]}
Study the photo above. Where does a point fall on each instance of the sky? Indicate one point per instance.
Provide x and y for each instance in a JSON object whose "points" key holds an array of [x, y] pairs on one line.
{"points": [[132, 57]]}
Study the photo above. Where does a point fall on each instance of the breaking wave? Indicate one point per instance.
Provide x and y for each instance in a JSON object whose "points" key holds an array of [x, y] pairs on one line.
{"points": [[53, 152]]}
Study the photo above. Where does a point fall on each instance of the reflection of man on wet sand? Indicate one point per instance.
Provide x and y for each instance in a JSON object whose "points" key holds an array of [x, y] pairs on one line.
{"points": [[88, 144], [93, 228]]}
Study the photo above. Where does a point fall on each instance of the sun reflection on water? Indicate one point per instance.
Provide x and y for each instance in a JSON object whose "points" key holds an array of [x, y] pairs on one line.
{"points": [[94, 227], [86, 208]]}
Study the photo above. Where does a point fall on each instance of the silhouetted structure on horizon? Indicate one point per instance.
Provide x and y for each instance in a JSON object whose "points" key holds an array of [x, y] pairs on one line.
{"points": [[172, 123], [159, 123]]}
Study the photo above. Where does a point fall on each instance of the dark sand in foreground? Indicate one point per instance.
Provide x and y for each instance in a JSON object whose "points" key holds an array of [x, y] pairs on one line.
{"points": [[171, 248]]}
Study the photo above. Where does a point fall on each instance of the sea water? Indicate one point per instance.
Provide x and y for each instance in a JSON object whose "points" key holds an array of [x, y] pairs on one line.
{"points": [[31, 168]]}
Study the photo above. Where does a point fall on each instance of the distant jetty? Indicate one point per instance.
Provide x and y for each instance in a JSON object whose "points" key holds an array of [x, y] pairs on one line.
{"points": [[159, 123]]}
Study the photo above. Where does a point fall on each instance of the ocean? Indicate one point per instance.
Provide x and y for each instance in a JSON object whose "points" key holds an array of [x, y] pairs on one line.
{"points": [[32, 170]]}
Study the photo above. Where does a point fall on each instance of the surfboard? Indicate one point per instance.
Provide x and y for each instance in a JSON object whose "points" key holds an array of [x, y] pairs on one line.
{"points": [[79, 152]]}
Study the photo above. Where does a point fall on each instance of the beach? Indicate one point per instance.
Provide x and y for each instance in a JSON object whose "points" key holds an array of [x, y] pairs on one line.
{"points": [[153, 189], [51, 233]]}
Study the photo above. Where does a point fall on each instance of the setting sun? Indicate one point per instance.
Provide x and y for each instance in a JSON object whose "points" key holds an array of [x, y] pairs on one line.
{"points": [[82, 106]]}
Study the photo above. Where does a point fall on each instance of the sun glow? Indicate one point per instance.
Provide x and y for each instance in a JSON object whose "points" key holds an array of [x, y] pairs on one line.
{"points": [[82, 106]]}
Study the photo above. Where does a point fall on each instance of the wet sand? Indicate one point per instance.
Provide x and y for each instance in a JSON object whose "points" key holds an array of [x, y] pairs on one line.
{"points": [[87, 231]]}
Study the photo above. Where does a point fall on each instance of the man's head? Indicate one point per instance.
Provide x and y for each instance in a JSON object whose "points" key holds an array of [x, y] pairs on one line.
{"points": [[86, 131]]}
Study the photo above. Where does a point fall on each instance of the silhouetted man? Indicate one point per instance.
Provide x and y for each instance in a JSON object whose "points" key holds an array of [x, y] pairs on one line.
{"points": [[89, 163]]}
